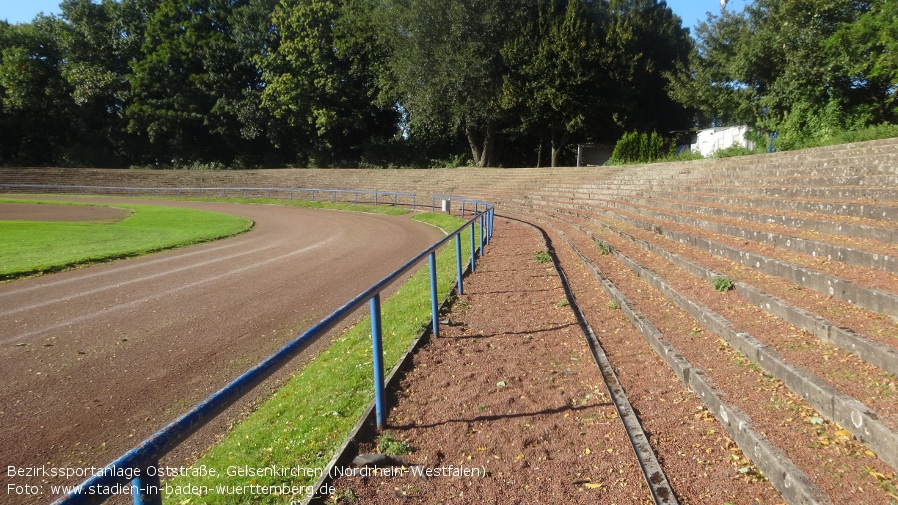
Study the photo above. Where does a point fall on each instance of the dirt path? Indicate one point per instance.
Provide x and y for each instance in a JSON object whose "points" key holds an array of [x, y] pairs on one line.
{"points": [[98, 358], [511, 390]]}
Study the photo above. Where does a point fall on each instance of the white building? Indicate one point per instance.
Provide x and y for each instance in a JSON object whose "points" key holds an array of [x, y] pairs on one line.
{"points": [[710, 140]]}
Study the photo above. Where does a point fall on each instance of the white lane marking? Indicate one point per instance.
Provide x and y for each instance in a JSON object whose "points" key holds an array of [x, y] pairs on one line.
{"points": [[121, 268], [134, 303], [125, 283]]}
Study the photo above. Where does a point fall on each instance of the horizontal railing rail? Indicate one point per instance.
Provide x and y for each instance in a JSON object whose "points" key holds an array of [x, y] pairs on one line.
{"points": [[134, 470], [395, 198], [477, 203]]}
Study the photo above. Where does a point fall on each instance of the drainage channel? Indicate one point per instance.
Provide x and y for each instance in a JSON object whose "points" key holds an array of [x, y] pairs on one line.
{"points": [[657, 482]]}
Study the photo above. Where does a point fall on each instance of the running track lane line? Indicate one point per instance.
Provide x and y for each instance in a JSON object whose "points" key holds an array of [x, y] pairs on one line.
{"points": [[134, 303]]}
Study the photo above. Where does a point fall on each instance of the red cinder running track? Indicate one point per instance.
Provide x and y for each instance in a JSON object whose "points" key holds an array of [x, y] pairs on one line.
{"points": [[96, 359]]}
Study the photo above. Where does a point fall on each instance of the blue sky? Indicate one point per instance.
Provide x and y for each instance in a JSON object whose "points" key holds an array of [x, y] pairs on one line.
{"points": [[692, 11], [23, 11]]}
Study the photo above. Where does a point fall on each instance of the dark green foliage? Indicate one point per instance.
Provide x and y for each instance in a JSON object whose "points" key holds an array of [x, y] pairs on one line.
{"points": [[808, 70], [321, 81], [35, 100], [557, 86], [638, 147], [388, 444], [542, 257], [243, 83], [722, 283]]}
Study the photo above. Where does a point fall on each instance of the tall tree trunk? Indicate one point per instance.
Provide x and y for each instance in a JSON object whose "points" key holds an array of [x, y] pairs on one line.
{"points": [[482, 152], [539, 153], [475, 145], [557, 145]]}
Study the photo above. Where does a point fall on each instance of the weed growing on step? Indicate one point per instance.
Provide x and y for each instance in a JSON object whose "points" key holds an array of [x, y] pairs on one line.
{"points": [[542, 257], [603, 246], [613, 305], [722, 283], [562, 303], [390, 445], [345, 496]]}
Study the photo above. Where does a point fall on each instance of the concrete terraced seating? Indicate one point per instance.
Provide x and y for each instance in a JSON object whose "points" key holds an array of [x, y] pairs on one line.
{"points": [[768, 284], [808, 240]]}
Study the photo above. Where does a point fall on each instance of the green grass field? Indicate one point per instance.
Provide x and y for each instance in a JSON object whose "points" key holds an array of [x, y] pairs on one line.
{"points": [[303, 424], [34, 247]]}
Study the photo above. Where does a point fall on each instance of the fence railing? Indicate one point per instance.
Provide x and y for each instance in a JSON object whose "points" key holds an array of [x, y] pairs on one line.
{"points": [[395, 198], [463, 201], [134, 470]]}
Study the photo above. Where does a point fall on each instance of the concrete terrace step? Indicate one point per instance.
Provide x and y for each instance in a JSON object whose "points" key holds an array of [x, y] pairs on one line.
{"points": [[687, 364], [852, 227]]}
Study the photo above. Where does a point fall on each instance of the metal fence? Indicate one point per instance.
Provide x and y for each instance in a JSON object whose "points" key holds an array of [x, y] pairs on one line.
{"points": [[132, 470], [361, 197], [464, 201]]}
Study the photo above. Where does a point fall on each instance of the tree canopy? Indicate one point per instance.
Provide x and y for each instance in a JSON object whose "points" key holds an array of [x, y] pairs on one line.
{"points": [[804, 69], [247, 83]]}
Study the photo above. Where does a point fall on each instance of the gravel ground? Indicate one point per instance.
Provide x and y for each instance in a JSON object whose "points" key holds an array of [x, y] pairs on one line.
{"points": [[511, 388]]}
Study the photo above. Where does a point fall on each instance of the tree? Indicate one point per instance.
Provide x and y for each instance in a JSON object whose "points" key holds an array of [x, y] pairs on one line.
{"points": [[321, 80], [645, 41], [555, 83], [445, 67], [800, 68], [866, 53], [95, 66], [35, 100], [195, 89]]}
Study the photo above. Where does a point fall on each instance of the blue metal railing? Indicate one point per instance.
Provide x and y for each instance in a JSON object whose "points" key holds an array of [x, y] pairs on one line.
{"points": [[476, 203], [134, 468], [395, 198]]}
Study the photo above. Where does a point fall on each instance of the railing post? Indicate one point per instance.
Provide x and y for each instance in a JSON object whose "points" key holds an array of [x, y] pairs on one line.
{"points": [[473, 250], [375, 198], [378, 355], [433, 205], [414, 202], [462, 208], [489, 225], [335, 196], [434, 306], [461, 289], [481, 233], [146, 488]]}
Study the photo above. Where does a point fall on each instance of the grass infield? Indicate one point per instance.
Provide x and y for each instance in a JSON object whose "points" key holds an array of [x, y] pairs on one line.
{"points": [[35, 247], [302, 425]]}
